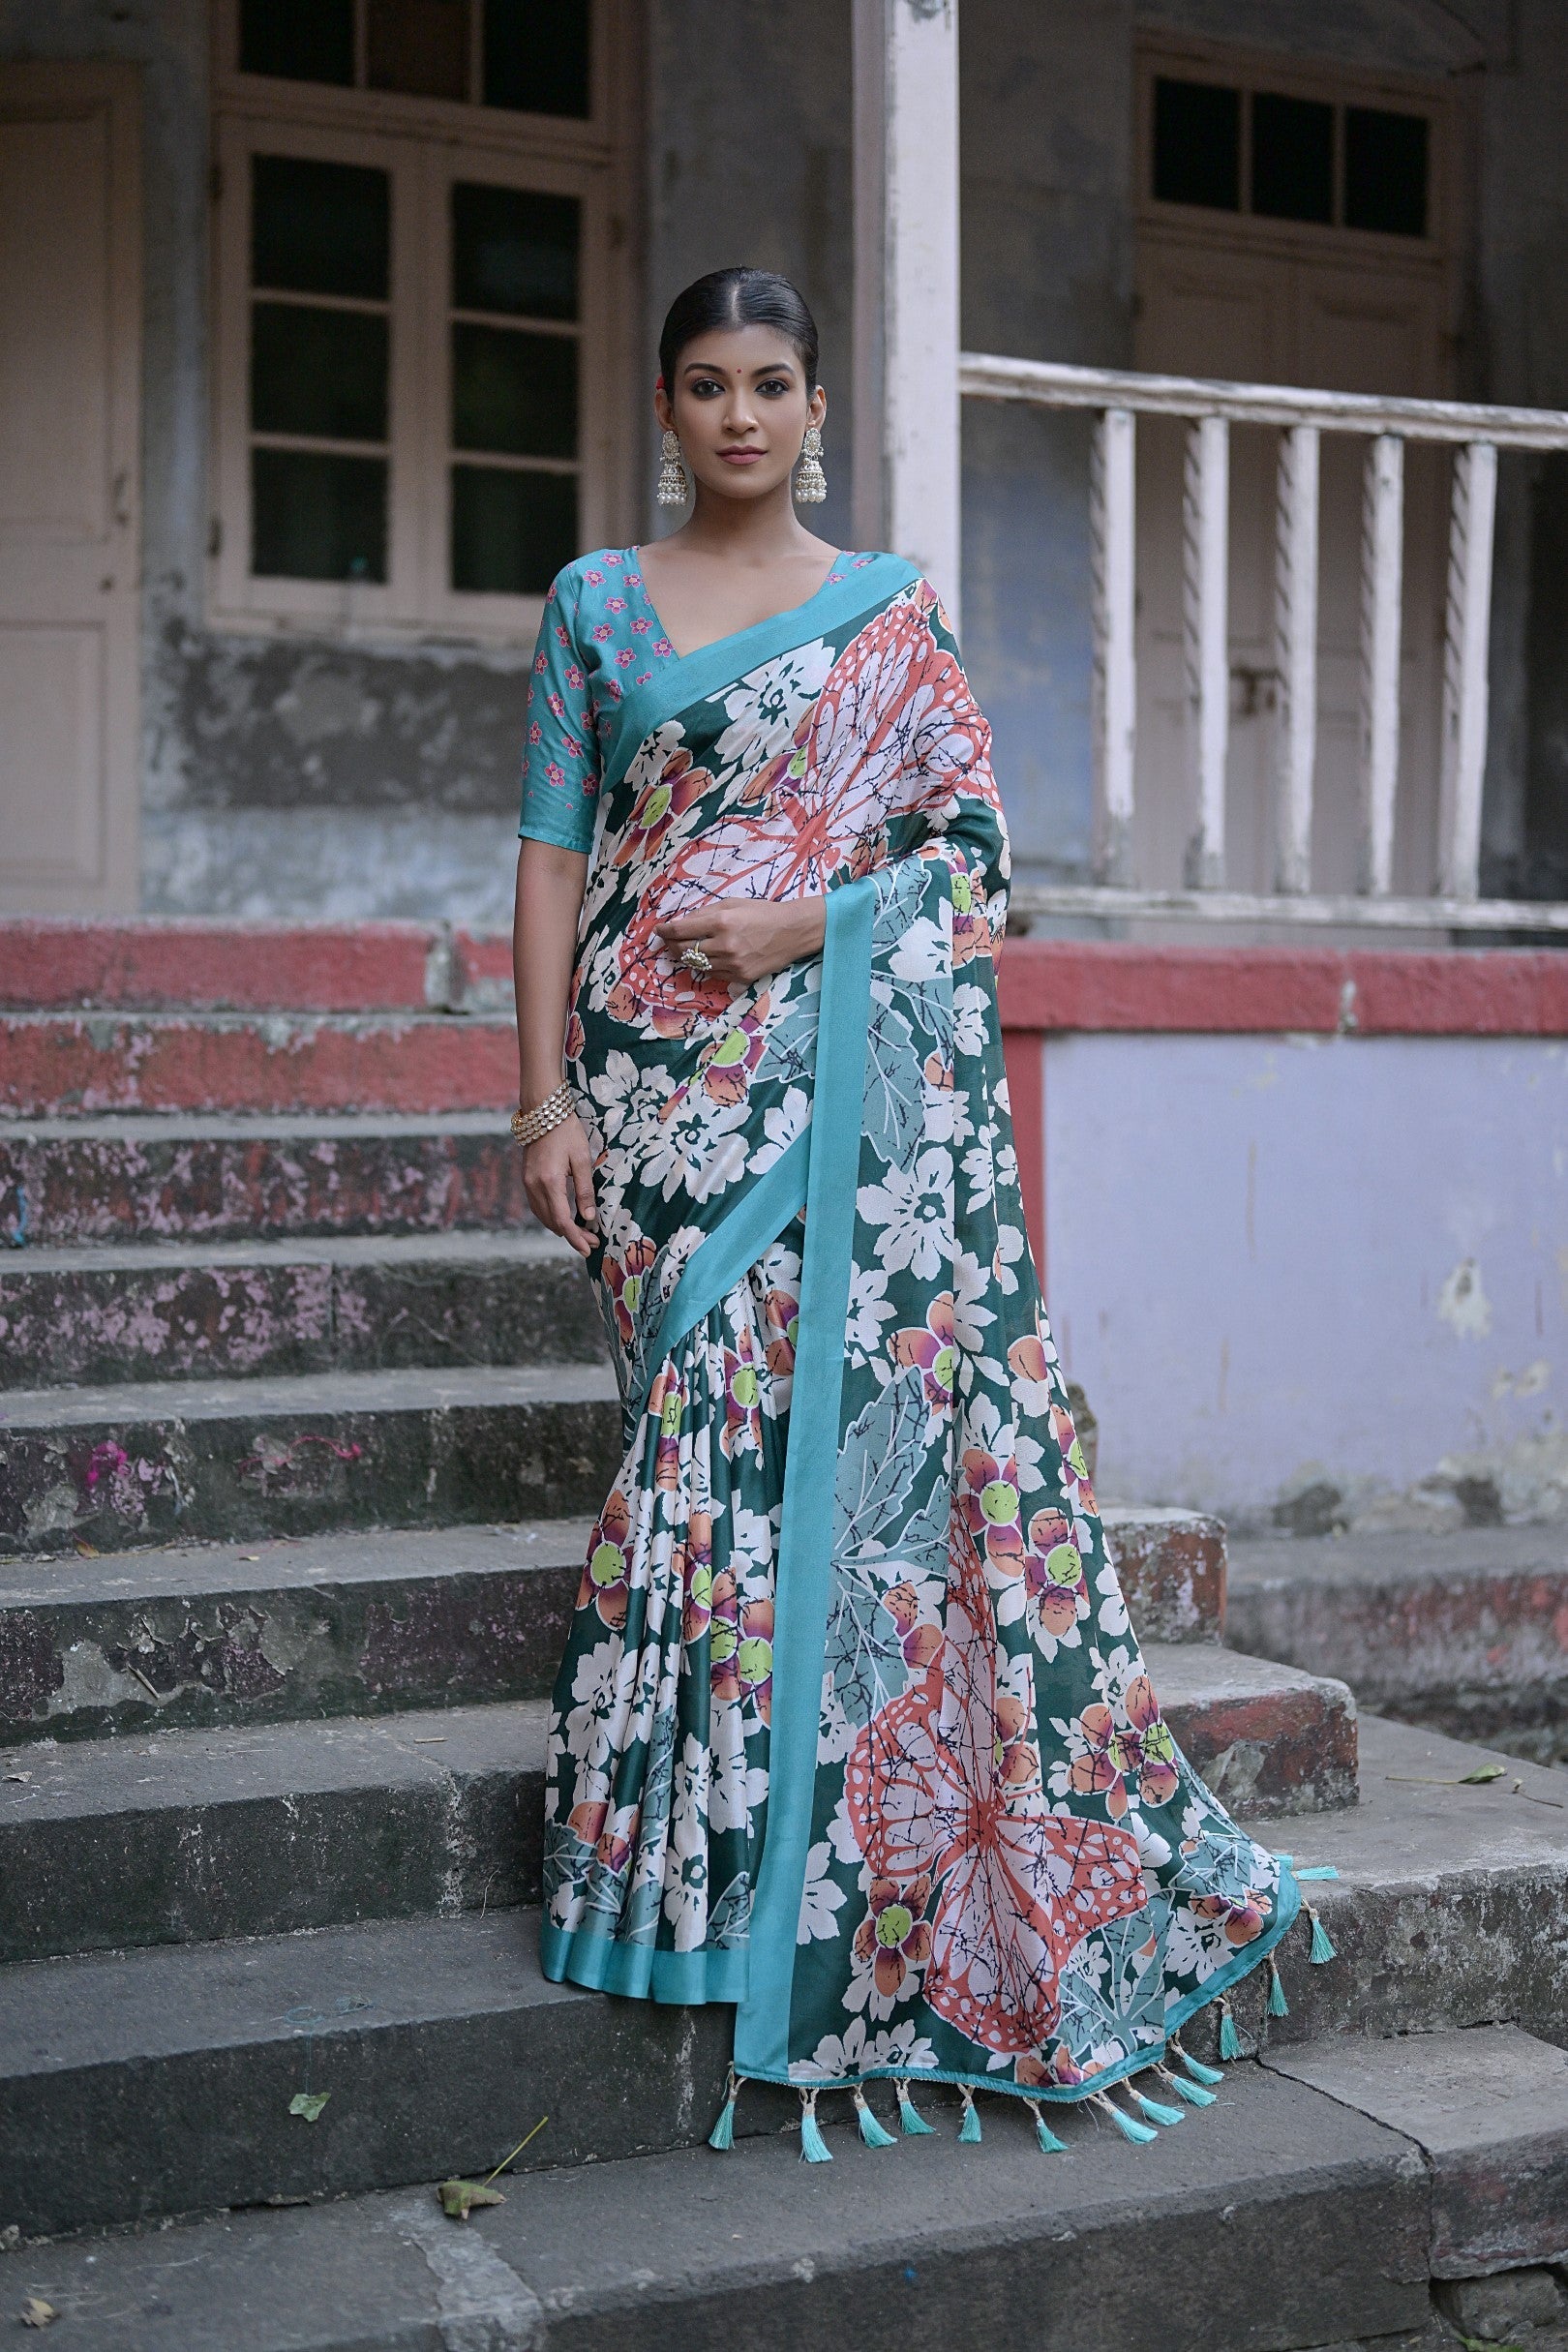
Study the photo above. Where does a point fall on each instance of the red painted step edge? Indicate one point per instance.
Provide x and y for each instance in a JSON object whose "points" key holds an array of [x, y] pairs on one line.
{"points": [[147, 964]]}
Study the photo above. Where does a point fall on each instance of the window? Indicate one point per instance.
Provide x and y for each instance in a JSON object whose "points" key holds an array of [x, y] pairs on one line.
{"points": [[1274, 155], [416, 357]]}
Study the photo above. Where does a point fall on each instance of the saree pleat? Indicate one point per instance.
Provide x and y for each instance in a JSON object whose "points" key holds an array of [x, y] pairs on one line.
{"points": [[852, 1729]]}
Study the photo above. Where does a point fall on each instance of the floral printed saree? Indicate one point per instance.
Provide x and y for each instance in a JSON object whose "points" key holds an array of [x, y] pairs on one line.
{"points": [[852, 1729]]}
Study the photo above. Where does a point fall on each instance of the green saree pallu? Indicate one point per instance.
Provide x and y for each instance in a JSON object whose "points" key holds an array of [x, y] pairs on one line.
{"points": [[852, 1730]]}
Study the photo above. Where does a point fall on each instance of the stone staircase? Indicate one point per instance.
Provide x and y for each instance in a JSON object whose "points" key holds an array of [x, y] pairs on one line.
{"points": [[303, 1425]]}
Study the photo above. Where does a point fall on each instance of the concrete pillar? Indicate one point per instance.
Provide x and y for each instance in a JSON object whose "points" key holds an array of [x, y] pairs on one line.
{"points": [[906, 284]]}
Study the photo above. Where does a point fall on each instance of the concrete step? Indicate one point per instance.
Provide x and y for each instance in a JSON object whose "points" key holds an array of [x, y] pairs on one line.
{"points": [[358, 1623], [187, 1311], [65, 1182], [57, 1063], [1277, 2220], [60, 963], [192, 1836], [118, 1468], [1466, 1631], [187, 1836], [160, 2080]]}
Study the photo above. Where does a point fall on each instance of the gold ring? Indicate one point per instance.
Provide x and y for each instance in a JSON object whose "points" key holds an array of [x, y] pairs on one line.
{"points": [[697, 960]]}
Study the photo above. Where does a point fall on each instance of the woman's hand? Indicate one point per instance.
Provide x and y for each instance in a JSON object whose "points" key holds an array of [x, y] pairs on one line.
{"points": [[557, 1177], [744, 939]]}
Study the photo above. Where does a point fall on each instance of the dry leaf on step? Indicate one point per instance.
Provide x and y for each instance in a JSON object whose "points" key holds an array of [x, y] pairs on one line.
{"points": [[459, 2197], [308, 2103], [37, 2314]]}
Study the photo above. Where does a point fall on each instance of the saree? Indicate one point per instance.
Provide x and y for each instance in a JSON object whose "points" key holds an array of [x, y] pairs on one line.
{"points": [[852, 1729]]}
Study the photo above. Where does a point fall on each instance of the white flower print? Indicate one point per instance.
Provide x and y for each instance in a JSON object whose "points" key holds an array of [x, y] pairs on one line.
{"points": [[970, 1283], [686, 1868], [869, 1307], [736, 1789], [922, 951], [765, 705], [820, 1900], [602, 1688], [686, 1152], [781, 1124], [615, 1087], [1009, 1248], [914, 1209], [969, 1006], [854, 2051]]}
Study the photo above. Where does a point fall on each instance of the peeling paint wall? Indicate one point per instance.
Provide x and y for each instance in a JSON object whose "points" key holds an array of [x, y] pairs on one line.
{"points": [[1316, 1281]]}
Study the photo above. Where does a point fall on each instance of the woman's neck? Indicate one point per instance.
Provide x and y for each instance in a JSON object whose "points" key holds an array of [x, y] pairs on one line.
{"points": [[758, 531]]}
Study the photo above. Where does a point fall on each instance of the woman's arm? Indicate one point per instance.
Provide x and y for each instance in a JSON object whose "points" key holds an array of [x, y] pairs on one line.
{"points": [[746, 939], [557, 1171]]}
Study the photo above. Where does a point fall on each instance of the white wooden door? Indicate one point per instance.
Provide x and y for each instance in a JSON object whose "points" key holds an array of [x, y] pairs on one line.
{"points": [[1277, 318], [70, 382]]}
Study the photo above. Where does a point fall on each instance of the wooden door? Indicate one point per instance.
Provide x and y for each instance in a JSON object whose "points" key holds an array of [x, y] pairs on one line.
{"points": [[1308, 320], [70, 382]]}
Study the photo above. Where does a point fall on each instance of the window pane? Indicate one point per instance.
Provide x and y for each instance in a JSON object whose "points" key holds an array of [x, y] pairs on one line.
{"points": [[515, 251], [1385, 171], [418, 46], [537, 59], [300, 40], [1292, 158], [511, 533], [319, 228], [318, 372], [1198, 145], [315, 517], [514, 392]]}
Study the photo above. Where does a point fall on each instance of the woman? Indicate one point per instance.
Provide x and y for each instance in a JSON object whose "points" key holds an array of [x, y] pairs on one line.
{"points": [[850, 1585]]}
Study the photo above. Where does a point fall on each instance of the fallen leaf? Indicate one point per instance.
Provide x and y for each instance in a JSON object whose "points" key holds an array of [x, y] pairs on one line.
{"points": [[308, 2103], [250, 1556], [459, 2197], [88, 1552], [1482, 1772], [19, 1776], [37, 2314]]}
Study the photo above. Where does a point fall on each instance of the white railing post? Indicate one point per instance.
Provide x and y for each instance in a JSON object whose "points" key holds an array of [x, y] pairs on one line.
{"points": [[905, 291], [1464, 669], [1111, 520], [1205, 630], [1295, 630], [1382, 589]]}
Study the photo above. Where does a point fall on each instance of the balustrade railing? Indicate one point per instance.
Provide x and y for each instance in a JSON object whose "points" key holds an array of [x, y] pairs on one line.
{"points": [[1117, 399]]}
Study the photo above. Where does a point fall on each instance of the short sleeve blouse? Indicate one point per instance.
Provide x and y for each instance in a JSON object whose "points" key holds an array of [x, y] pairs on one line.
{"points": [[600, 636]]}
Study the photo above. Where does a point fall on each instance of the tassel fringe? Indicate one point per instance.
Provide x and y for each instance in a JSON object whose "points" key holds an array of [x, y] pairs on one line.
{"points": [[1199, 2073], [1193, 2093], [722, 2136], [1278, 2006], [1229, 2038], [970, 2129], [814, 2149], [1049, 2144], [1127, 2124], [1322, 1949], [872, 2133], [910, 2120], [1155, 2109]]}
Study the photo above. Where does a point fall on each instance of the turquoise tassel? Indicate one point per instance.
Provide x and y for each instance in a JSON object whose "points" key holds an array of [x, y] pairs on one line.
{"points": [[970, 2129], [1049, 2144], [1229, 2038], [1127, 2125], [1199, 2073], [1194, 2092], [814, 2149], [1155, 2109], [872, 2133], [1322, 1949], [1287, 1858], [722, 2136], [1278, 2006], [1319, 1870], [909, 2121]]}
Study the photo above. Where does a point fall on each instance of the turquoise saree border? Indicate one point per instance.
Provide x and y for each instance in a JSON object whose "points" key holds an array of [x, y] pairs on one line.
{"points": [[682, 1979], [695, 677], [761, 2028]]}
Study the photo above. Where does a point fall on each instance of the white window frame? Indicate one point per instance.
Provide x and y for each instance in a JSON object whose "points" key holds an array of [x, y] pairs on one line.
{"points": [[424, 145]]}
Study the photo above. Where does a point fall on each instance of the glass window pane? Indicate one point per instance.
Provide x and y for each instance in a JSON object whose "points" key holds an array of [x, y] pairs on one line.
{"points": [[418, 46], [511, 531], [1198, 145], [300, 40], [319, 228], [317, 517], [514, 250], [1385, 171], [1292, 158], [514, 392], [318, 372], [537, 59]]}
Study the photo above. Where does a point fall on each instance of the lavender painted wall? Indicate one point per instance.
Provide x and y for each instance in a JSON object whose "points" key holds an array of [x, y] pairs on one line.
{"points": [[1288, 1269]]}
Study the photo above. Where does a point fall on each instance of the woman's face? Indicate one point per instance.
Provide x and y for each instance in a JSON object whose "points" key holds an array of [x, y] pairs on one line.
{"points": [[740, 407]]}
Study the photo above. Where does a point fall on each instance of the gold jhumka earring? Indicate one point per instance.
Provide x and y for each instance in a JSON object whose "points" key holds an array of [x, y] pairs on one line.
{"points": [[810, 482], [673, 484]]}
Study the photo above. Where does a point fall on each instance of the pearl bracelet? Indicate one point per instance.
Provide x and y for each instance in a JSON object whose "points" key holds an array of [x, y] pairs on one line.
{"points": [[529, 1125]]}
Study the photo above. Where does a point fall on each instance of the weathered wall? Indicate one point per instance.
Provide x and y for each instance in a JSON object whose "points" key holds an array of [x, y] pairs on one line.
{"points": [[1284, 1264]]}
